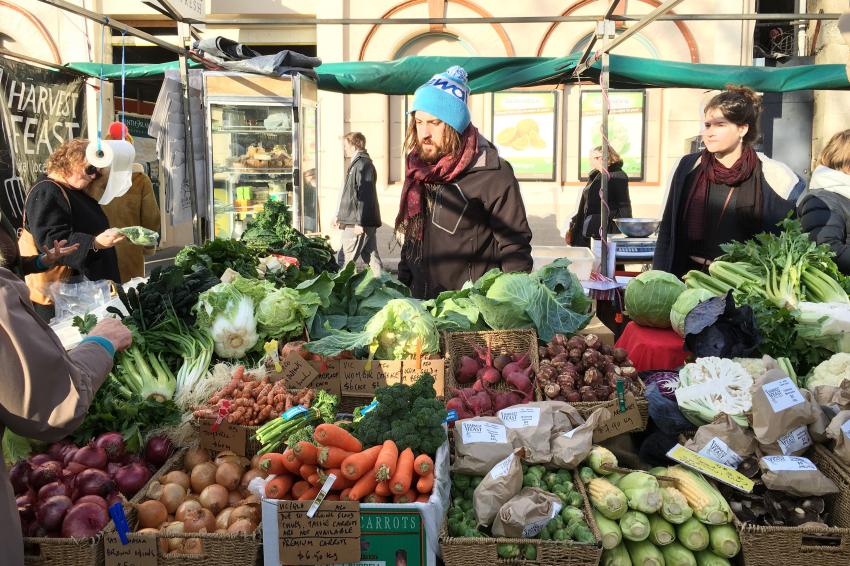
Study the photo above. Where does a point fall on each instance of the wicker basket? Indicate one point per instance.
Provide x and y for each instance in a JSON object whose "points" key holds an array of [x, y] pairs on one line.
{"points": [[218, 549], [585, 409], [458, 344], [252, 445], [798, 546], [468, 551], [64, 551]]}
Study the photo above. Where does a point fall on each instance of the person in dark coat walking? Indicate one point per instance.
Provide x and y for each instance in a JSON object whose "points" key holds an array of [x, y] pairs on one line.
{"points": [[726, 192], [586, 222], [461, 211], [824, 209], [358, 215]]}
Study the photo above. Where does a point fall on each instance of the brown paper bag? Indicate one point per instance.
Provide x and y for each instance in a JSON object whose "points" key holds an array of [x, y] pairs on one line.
{"points": [[838, 430], [532, 423], [779, 407], [500, 484], [817, 430], [525, 515], [565, 417], [723, 440], [480, 444], [570, 448], [794, 443], [837, 398], [795, 475]]}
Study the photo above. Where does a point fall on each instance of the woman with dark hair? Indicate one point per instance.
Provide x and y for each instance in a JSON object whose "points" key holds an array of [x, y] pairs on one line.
{"points": [[586, 222], [725, 192]]}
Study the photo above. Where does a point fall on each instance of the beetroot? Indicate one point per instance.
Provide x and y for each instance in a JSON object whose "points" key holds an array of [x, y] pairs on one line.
{"points": [[19, 475], [523, 360], [500, 361], [113, 444], [507, 399], [91, 456], [468, 369], [84, 520], [93, 482], [51, 512], [96, 499], [131, 479], [45, 473], [520, 379], [53, 488], [489, 374]]}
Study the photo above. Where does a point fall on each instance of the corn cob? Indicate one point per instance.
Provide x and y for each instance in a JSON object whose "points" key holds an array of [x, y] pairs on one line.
{"points": [[607, 498], [709, 506]]}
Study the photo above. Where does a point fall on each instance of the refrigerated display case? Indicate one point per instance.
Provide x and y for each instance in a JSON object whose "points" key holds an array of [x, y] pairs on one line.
{"points": [[263, 144]]}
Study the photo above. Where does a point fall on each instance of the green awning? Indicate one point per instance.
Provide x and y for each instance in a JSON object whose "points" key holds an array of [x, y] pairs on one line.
{"points": [[493, 74]]}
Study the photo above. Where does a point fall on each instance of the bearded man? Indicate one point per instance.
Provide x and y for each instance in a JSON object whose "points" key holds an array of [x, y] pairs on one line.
{"points": [[461, 210]]}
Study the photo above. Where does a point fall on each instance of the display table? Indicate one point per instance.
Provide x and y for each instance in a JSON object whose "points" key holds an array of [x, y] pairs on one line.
{"points": [[652, 348]]}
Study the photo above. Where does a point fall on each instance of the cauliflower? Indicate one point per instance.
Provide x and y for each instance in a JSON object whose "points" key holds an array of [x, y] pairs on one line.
{"points": [[830, 372], [754, 366], [711, 386]]}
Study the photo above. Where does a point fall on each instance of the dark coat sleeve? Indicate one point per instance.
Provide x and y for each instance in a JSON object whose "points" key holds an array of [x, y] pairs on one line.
{"points": [[510, 226], [826, 225], [49, 218]]}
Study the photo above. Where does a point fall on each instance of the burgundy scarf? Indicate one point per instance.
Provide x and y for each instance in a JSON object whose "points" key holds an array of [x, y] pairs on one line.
{"points": [[410, 222], [711, 171]]}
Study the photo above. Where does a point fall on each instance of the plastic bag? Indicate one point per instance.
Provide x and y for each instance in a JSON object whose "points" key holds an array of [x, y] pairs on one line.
{"points": [[140, 236], [79, 296]]}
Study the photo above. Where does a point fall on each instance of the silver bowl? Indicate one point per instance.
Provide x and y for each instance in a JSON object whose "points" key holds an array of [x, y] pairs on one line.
{"points": [[637, 227]]}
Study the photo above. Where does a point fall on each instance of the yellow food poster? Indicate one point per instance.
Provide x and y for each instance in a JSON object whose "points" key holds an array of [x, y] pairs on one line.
{"points": [[524, 132], [625, 128]]}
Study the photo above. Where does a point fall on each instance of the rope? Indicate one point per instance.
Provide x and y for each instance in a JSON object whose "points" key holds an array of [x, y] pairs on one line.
{"points": [[123, 76], [100, 103]]}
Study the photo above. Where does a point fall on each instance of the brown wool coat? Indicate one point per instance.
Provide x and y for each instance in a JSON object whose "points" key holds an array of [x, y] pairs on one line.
{"points": [[45, 392]]}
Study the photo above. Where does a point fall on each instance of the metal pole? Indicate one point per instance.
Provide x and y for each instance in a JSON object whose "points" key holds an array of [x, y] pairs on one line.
{"points": [[604, 33], [185, 35]]}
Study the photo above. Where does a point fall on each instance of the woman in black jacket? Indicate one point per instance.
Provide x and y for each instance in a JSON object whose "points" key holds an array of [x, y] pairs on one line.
{"points": [[587, 220], [824, 209]]}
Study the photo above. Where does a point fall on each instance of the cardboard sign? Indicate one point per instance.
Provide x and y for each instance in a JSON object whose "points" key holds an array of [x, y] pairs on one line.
{"points": [[328, 376], [356, 380], [437, 368], [711, 468], [227, 437], [332, 536], [620, 423], [296, 372], [139, 550]]}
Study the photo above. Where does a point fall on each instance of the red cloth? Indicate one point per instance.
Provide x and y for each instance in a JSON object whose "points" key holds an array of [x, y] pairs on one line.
{"points": [[652, 348]]}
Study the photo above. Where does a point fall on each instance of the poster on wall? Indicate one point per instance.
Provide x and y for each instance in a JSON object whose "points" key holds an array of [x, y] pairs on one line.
{"points": [[40, 109], [626, 127], [524, 132]]}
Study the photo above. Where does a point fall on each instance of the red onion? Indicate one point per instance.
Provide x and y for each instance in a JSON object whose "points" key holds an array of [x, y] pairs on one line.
{"points": [[56, 451], [116, 497], [91, 457], [53, 488], [39, 459], [75, 468], [51, 512], [93, 482], [96, 499], [69, 455], [84, 520], [158, 450], [45, 473], [26, 512], [111, 468], [27, 498], [19, 475], [113, 444], [131, 478]]}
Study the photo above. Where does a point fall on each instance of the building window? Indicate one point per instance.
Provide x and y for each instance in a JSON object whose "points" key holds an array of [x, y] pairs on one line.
{"points": [[626, 129]]}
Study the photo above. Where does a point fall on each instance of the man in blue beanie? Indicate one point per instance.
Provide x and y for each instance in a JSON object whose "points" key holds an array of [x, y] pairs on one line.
{"points": [[461, 211]]}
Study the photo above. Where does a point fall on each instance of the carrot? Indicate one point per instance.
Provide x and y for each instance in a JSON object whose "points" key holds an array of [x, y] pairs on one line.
{"points": [[341, 481], [383, 489], [299, 488], [403, 476], [423, 465], [375, 498], [279, 486], [423, 498], [314, 480], [307, 470], [272, 463], [364, 486], [386, 463], [306, 452], [425, 484], [309, 494], [343, 495], [332, 457], [328, 434], [408, 497], [291, 461], [356, 465]]}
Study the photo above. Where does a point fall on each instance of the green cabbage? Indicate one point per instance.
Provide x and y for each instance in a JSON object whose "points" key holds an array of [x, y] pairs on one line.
{"points": [[684, 304], [282, 313], [650, 297]]}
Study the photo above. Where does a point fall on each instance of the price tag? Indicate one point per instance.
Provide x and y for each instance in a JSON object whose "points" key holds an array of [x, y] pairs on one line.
{"points": [[520, 417], [297, 372], [720, 452], [293, 412], [533, 529], [473, 431], [320, 497], [223, 411], [140, 550], [620, 422], [502, 468], [711, 468], [436, 368], [451, 416], [328, 378], [331, 536], [789, 464], [370, 407], [226, 437], [795, 441], [782, 394]]}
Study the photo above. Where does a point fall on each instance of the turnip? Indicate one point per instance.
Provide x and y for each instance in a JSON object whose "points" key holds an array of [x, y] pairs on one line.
{"points": [[468, 369]]}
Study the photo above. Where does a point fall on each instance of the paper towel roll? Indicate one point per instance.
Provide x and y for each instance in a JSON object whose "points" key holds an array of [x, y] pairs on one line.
{"points": [[118, 155]]}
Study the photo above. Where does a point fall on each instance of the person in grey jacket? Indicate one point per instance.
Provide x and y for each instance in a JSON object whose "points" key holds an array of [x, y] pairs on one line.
{"points": [[358, 215]]}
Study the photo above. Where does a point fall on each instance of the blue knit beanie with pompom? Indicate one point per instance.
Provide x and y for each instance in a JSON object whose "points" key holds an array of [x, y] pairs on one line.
{"points": [[445, 96]]}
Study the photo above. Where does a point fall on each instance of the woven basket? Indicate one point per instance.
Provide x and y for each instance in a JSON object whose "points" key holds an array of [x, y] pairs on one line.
{"points": [[585, 409], [468, 551], [518, 341], [252, 445], [797, 546], [64, 551], [218, 549]]}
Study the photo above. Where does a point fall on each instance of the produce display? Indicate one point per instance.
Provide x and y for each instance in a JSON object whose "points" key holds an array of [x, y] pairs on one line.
{"points": [[498, 381]]}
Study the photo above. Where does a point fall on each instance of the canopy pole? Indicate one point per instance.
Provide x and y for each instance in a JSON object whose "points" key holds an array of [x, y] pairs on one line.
{"points": [[185, 36], [604, 33]]}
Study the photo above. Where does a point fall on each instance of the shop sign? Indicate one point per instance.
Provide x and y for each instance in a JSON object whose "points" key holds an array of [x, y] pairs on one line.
{"points": [[626, 128], [524, 127]]}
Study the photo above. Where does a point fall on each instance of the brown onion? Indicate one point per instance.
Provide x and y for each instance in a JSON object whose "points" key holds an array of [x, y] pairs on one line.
{"points": [[195, 456], [163, 543], [228, 475], [185, 507], [193, 546], [234, 498], [244, 512], [242, 526], [175, 528], [151, 513], [173, 494], [231, 457], [222, 520], [214, 498], [247, 477], [255, 461], [200, 519], [176, 476], [203, 475]]}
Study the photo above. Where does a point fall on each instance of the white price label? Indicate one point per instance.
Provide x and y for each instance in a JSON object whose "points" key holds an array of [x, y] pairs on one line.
{"points": [[782, 394], [720, 452], [789, 464], [533, 529], [482, 431], [570, 433], [502, 468], [795, 441], [845, 428], [520, 417]]}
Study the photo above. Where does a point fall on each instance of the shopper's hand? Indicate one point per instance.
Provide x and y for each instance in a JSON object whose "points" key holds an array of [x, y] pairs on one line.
{"points": [[113, 330], [358, 229], [108, 238], [568, 238], [59, 250]]}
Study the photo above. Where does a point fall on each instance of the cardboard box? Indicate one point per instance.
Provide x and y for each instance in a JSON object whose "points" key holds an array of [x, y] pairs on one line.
{"points": [[595, 326]]}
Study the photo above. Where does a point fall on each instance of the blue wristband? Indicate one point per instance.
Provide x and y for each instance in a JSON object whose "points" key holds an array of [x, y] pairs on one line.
{"points": [[107, 345], [39, 264]]}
